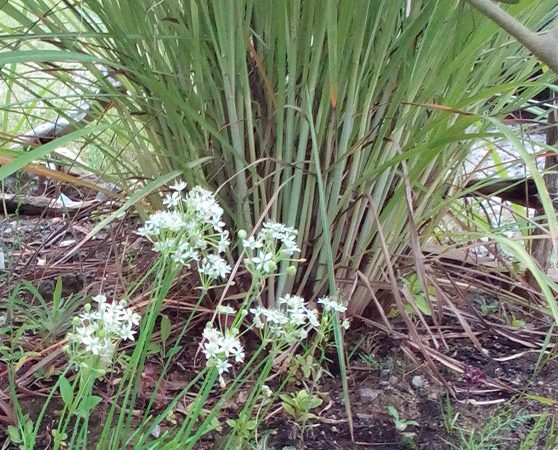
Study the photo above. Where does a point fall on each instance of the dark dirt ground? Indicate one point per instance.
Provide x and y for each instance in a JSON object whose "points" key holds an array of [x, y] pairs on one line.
{"points": [[381, 372]]}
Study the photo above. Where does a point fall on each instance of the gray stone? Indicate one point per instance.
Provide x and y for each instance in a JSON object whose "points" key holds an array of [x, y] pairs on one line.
{"points": [[368, 394], [418, 381]]}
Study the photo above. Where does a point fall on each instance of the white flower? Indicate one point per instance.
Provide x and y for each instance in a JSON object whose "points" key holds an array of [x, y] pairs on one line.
{"points": [[224, 242], [206, 208], [226, 310], [279, 231], [211, 349], [108, 348], [185, 253], [289, 321], [346, 324], [100, 299], [290, 248], [211, 334], [84, 332], [259, 317], [229, 345], [276, 242], [219, 347], [99, 331], [214, 267], [127, 333], [179, 186], [238, 353], [164, 247], [252, 243], [88, 316], [312, 316], [292, 301], [172, 200], [129, 316], [147, 230], [264, 262], [92, 344], [332, 305], [162, 221], [222, 365]]}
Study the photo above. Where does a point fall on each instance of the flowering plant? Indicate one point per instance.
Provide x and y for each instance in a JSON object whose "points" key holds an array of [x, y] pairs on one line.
{"points": [[97, 332], [189, 230], [274, 243], [290, 320]]}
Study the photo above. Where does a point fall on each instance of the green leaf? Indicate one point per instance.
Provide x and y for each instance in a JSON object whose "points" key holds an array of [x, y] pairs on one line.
{"points": [[423, 305], [27, 158], [13, 434], [87, 405], [393, 412], [66, 390], [57, 294], [166, 328], [542, 400], [314, 402], [40, 56], [153, 348], [289, 409]]}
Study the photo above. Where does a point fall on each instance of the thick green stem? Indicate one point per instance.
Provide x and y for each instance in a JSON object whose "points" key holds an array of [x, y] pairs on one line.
{"points": [[543, 45]]}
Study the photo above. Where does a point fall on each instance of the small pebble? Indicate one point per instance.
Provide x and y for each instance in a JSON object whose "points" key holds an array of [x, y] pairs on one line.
{"points": [[368, 394], [418, 381]]}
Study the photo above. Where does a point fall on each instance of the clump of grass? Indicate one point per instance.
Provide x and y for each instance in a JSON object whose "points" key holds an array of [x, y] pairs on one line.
{"points": [[267, 98]]}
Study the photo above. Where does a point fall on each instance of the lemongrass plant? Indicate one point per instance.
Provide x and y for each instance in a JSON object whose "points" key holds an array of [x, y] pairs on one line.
{"points": [[190, 235], [268, 99]]}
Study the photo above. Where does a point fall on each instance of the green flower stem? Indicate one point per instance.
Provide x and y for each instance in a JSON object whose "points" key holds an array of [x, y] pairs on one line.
{"points": [[162, 285], [196, 409], [172, 352], [84, 391], [240, 379]]}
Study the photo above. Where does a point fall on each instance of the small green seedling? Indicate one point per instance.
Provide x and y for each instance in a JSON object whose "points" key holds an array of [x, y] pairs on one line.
{"points": [[400, 423], [298, 405]]}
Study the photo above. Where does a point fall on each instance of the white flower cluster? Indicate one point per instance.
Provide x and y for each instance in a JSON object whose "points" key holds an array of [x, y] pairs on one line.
{"points": [[97, 332], [288, 321], [274, 243], [330, 304], [219, 348], [334, 305], [187, 231]]}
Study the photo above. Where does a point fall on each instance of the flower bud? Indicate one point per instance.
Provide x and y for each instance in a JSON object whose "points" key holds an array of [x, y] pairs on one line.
{"points": [[242, 234], [291, 271], [266, 391], [222, 383]]}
